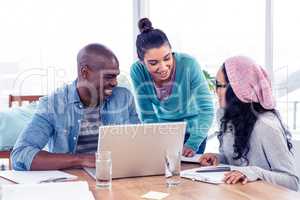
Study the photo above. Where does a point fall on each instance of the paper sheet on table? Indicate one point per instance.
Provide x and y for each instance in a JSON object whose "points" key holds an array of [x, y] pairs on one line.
{"points": [[34, 176], [208, 177], [194, 159], [49, 191], [155, 195]]}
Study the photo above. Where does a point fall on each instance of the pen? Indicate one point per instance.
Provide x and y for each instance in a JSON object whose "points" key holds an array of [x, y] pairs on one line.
{"points": [[50, 180], [214, 169]]}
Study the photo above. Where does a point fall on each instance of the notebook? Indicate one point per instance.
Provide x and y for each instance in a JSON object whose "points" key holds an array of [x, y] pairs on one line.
{"points": [[194, 159], [36, 176], [213, 175]]}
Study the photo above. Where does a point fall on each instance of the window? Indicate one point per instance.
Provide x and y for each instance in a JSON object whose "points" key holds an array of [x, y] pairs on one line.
{"points": [[40, 40], [212, 30], [287, 60]]}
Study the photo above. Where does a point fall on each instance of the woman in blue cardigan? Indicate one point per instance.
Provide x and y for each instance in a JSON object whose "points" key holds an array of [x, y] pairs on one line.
{"points": [[171, 87]]}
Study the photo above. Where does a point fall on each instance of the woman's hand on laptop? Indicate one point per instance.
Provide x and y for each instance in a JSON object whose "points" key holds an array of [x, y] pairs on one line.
{"points": [[87, 160], [209, 159], [187, 152]]}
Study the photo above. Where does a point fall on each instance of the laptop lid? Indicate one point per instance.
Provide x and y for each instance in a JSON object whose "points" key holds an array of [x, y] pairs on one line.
{"points": [[138, 150]]}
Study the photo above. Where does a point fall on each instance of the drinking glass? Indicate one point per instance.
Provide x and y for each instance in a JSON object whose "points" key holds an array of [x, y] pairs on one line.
{"points": [[172, 167], [103, 169]]}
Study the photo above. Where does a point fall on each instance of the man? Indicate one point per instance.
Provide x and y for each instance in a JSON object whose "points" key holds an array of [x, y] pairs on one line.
{"points": [[67, 121]]}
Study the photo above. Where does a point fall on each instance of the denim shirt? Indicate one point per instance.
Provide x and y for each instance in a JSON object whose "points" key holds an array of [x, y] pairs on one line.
{"points": [[55, 124]]}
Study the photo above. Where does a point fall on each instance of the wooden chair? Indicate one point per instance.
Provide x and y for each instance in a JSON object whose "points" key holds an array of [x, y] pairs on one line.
{"points": [[21, 99]]}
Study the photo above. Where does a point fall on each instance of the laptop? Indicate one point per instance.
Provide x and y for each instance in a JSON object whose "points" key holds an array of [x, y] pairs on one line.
{"points": [[138, 149]]}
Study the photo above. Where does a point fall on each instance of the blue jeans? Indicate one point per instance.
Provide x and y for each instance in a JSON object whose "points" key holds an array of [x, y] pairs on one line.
{"points": [[202, 145]]}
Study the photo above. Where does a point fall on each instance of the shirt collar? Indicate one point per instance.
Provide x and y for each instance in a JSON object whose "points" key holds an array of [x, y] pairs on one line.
{"points": [[73, 94]]}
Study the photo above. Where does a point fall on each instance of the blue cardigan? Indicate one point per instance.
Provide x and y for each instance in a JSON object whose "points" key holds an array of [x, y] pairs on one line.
{"points": [[190, 99]]}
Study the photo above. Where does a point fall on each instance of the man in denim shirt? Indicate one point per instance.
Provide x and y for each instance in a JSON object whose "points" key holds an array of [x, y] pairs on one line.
{"points": [[58, 120]]}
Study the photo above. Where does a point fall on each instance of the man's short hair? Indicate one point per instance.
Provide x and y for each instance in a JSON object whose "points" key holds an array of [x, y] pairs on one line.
{"points": [[86, 54]]}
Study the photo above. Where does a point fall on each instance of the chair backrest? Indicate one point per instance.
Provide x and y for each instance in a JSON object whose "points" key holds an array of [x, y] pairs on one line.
{"points": [[21, 99], [4, 160]]}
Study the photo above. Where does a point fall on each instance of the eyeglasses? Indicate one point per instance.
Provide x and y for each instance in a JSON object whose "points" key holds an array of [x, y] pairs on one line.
{"points": [[219, 85]]}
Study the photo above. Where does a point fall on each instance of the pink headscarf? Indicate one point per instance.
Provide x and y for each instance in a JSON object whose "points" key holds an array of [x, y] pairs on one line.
{"points": [[249, 81]]}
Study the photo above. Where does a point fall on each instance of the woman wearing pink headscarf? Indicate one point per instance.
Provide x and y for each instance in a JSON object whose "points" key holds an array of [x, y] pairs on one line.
{"points": [[252, 137]]}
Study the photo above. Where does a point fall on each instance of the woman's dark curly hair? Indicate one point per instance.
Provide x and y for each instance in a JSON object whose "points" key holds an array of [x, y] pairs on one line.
{"points": [[243, 117]]}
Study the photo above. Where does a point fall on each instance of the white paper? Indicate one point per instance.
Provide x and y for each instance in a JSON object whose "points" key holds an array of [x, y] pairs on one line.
{"points": [[35, 176], [194, 159], [208, 177], [155, 195], [49, 191]]}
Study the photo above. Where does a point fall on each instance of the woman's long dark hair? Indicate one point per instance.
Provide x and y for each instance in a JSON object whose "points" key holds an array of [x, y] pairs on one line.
{"points": [[243, 116]]}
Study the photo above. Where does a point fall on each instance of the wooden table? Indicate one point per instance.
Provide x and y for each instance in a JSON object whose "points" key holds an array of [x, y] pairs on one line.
{"points": [[134, 188]]}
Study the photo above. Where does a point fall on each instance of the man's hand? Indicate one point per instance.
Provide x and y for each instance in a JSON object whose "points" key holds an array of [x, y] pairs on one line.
{"points": [[234, 177], [187, 152], [87, 160], [208, 159], [53, 161]]}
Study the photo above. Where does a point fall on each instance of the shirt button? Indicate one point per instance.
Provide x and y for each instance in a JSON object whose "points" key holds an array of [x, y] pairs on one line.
{"points": [[80, 106], [74, 138]]}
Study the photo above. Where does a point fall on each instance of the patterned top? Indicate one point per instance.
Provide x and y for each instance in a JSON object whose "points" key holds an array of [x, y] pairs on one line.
{"points": [[166, 89], [89, 131]]}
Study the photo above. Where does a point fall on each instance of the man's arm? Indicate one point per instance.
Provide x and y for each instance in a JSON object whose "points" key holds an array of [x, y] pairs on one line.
{"points": [[52, 161], [28, 151]]}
